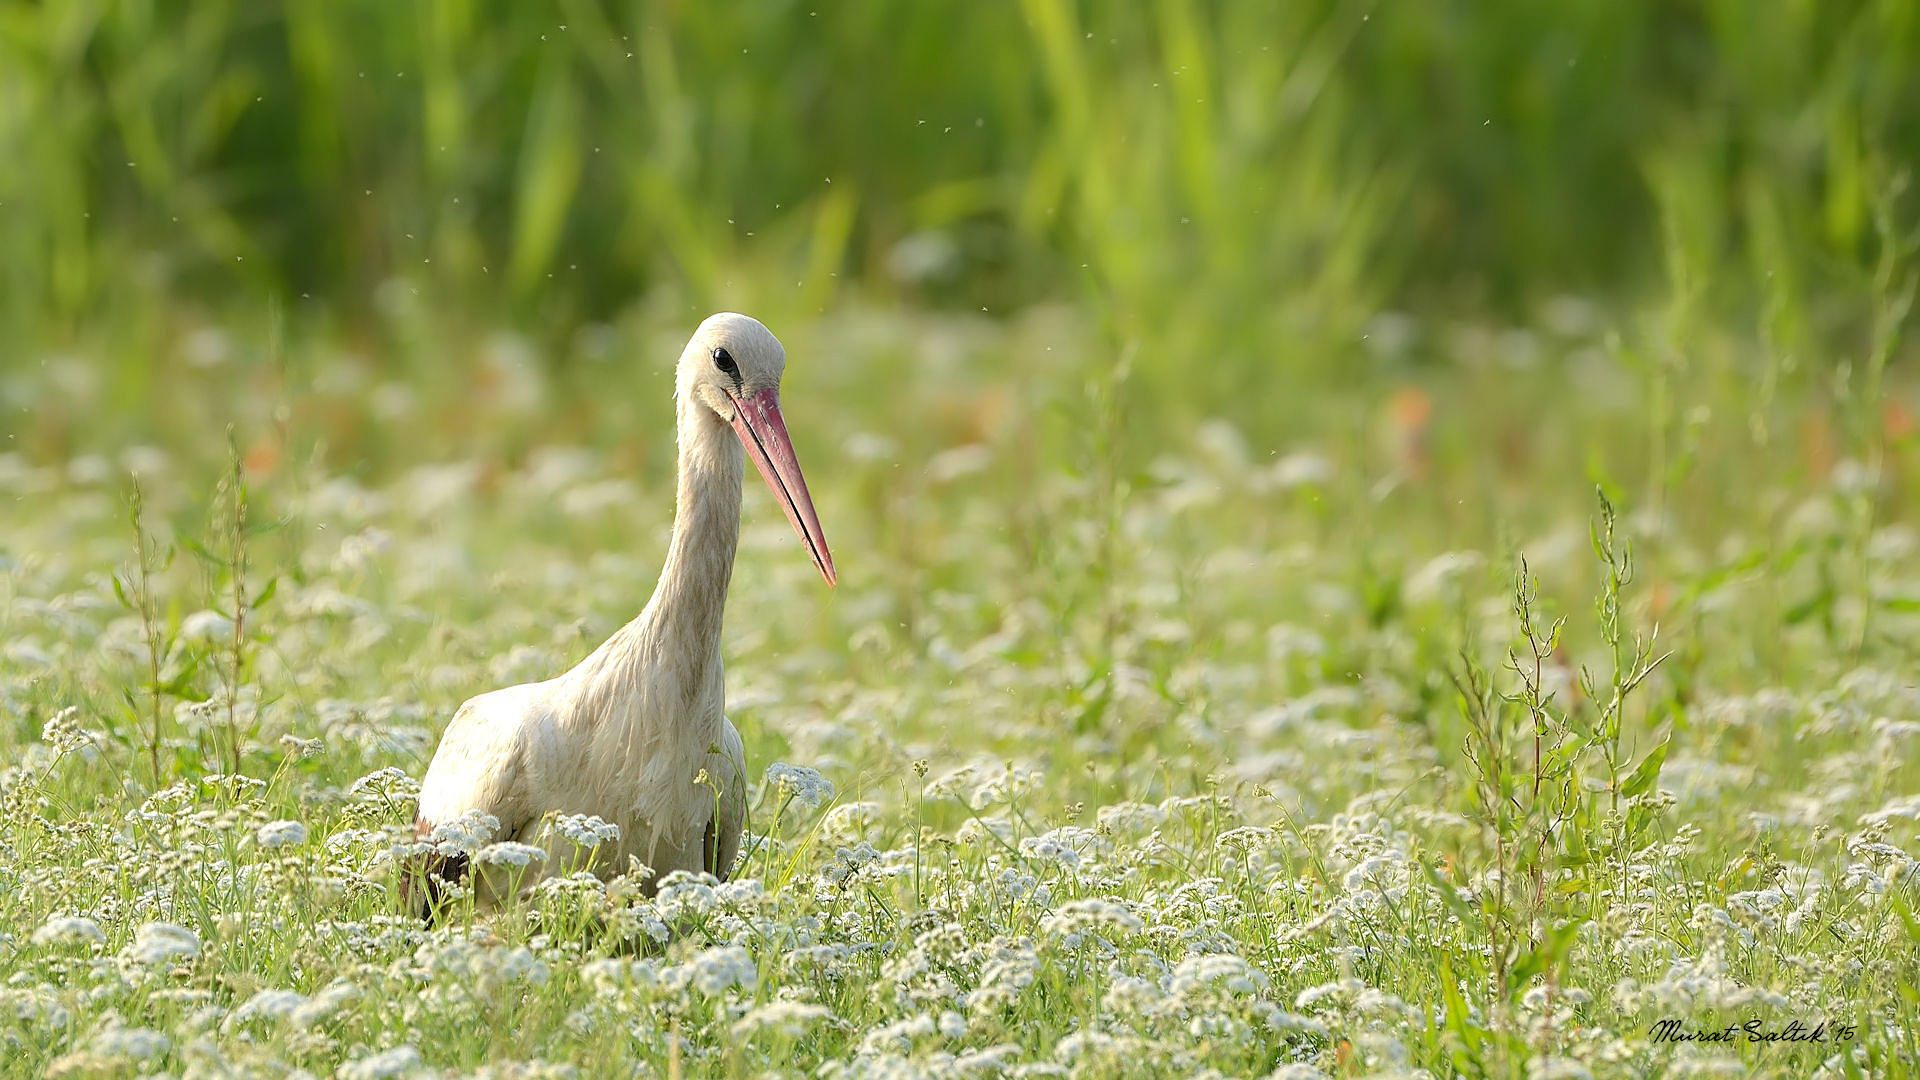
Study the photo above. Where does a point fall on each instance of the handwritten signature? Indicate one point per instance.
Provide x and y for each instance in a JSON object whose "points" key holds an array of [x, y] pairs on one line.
{"points": [[1753, 1031]]}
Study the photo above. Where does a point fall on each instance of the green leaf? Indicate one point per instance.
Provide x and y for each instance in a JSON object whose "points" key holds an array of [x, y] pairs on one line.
{"points": [[1449, 894], [266, 592], [1460, 1023], [1610, 494], [1574, 852], [199, 549], [1638, 819], [1751, 562], [1543, 957], [120, 592], [1907, 919], [1811, 606], [1647, 773]]}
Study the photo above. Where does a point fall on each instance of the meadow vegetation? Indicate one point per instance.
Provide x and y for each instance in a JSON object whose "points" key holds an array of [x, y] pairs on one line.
{"points": [[1372, 542]]}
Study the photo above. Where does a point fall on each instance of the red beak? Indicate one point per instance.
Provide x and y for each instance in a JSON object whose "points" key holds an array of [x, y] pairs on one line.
{"points": [[763, 431]]}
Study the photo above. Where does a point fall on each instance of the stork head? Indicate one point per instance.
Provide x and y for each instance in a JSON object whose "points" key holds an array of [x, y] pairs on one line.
{"points": [[733, 367]]}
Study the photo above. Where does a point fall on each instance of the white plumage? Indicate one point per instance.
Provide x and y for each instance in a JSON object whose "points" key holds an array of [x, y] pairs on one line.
{"points": [[635, 733]]}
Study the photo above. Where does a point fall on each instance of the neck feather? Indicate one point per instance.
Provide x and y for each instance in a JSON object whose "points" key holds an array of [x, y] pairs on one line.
{"points": [[675, 640], [691, 598]]}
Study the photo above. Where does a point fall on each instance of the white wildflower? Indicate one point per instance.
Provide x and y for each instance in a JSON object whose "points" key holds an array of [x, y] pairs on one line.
{"points": [[1378, 872], [1129, 817], [400, 1061], [69, 930], [1244, 839], [1862, 876], [1300, 469], [206, 628], [587, 831], [1130, 995], [683, 894], [465, 834], [386, 784], [1314, 995], [63, 732], [580, 883], [127, 1044], [1223, 971], [1092, 1045], [510, 853], [159, 943], [898, 1035], [1005, 786], [850, 820], [279, 834], [299, 749], [269, 1004], [791, 1019], [1441, 574], [331, 998], [848, 861], [801, 784], [713, 971], [1558, 1068], [1049, 850], [1091, 914], [993, 1060]]}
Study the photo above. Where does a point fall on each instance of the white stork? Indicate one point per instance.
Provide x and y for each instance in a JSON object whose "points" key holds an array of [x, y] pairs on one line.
{"points": [[627, 733]]}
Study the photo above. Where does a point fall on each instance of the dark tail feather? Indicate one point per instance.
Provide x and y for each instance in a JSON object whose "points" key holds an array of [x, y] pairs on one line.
{"points": [[426, 880]]}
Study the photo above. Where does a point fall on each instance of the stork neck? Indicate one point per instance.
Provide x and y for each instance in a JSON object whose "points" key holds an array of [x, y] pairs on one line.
{"points": [[675, 641], [691, 599]]}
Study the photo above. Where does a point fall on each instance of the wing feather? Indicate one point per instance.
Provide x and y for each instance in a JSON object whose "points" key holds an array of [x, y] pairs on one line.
{"points": [[486, 761]]}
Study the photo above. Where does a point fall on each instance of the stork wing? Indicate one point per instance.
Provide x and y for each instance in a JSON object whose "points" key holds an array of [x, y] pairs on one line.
{"points": [[482, 764]]}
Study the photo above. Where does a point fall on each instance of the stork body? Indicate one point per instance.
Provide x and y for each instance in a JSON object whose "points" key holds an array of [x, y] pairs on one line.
{"points": [[636, 733]]}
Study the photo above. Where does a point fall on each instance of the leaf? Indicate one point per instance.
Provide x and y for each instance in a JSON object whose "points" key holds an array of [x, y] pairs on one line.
{"points": [[1094, 708], [1449, 894], [1472, 1037], [1609, 493], [1574, 852], [266, 592], [1751, 562], [120, 593], [179, 686], [1638, 819], [1526, 965], [200, 550], [183, 678], [1542, 958], [1645, 774], [1809, 607], [1907, 919]]}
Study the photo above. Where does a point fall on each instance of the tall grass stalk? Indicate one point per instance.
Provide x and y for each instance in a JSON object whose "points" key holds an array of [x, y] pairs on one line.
{"points": [[136, 591]]}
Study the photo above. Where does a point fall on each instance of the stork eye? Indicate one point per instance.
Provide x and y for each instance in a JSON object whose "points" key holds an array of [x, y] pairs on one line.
{"points": [[723, 360]]}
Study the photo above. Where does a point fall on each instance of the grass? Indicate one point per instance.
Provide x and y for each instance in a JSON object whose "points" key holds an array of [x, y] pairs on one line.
{"points": [[1374, 542], [1346, 749], [1229, 180]]}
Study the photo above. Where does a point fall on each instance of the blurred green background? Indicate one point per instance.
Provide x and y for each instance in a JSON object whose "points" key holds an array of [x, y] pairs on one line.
{"points": [[1228, 192]]}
